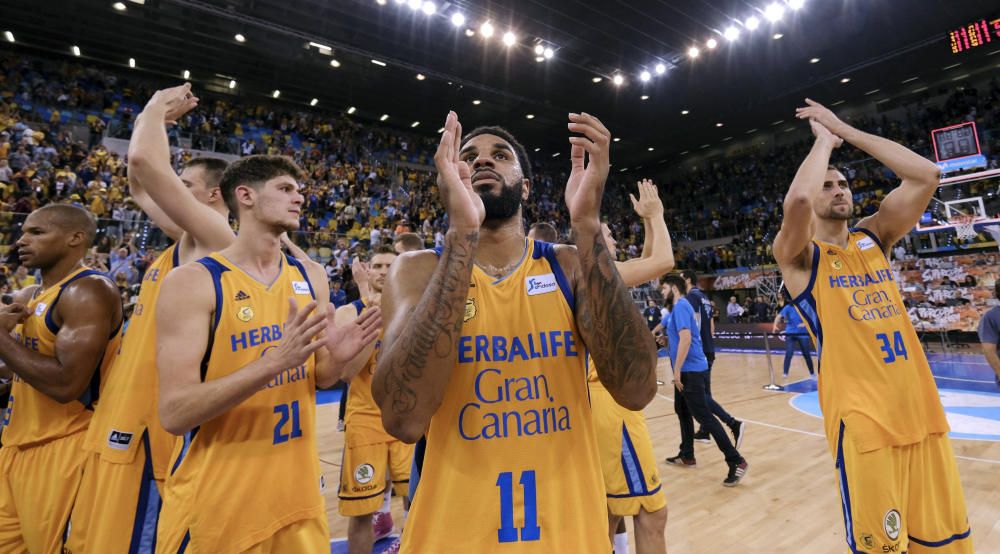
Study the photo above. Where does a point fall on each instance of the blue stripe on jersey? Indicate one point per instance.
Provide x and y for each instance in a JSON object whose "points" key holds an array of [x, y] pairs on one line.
{"points": [[147, 510], [184, 543], [298, 265], [549, 252], [949, 540], [188, 438], [49, 322], [630, 464], [358, 305], [417, 465], [216, 269], [845, 494]]}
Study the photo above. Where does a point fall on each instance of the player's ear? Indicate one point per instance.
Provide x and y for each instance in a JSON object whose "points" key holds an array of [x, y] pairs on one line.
{"points": [[525, 189]]}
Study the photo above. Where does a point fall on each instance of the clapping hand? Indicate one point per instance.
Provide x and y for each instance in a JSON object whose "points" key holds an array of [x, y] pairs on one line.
{"points": [[465, 208], [648, 205], [590, 160]]}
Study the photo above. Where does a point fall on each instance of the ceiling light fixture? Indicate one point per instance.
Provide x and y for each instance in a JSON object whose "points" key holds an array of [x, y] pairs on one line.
{"points": [[774, 12], [131, 63], [429, 8], [334, 63], [711, 43], [548, 53], [814, 60], [618, 80], [645, 76], [120, 6], [75, 50], [379, 63], [414, 124], [351, 110], [693, 52], [486, 29], [9, 36], [384, 117], [661, 68], [186, 74], [232, 83], [314, 101], [731, 33], [276, 93], [530, 116], [777, 36], [752, 23], [240, 38], [509, 38], [458, 19], [420, 77]]}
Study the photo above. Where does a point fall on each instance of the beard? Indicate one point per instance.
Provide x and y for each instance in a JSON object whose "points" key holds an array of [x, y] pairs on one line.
{"points": [[833, 214], [505, 204]]}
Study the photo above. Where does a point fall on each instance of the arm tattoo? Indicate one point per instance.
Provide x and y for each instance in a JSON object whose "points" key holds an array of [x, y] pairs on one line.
{"points": [[614, 331], [430, 335]]}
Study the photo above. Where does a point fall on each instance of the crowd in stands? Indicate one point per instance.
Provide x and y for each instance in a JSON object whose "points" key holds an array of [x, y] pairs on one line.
{"points": [[366, 184]]}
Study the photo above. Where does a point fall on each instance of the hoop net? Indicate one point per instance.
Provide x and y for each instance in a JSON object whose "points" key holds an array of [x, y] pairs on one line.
{"points": [[965, 226]]}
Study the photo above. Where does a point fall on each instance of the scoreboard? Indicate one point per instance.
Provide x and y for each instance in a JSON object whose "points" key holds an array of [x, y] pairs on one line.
{"points": [[957, 147], [975, 34]]}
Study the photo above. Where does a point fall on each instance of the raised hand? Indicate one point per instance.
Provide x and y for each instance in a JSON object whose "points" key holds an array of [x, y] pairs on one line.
{"points": [[346, 342], [816, 111], [172, 103], [586, 180], [465, 207], [362, 277], [649, 204], [823, 134], [297, 342], [11, 315]]}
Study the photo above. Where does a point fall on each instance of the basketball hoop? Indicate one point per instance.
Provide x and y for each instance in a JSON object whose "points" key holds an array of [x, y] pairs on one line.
{"points": [[965, 227]]}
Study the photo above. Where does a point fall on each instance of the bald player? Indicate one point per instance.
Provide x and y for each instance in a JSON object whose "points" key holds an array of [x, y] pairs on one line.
{"points": [[67, 332], [117, 509]]}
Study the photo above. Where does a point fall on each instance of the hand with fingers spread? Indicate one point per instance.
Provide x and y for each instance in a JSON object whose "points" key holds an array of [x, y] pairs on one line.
{"points": [[465, 208], [648, 205], [171, 104], [346, 342], [586, 180], [821, 114], [297, 342]]}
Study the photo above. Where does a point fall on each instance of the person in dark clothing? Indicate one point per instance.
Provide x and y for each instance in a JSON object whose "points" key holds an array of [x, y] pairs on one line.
{"points": [[652, 314]]}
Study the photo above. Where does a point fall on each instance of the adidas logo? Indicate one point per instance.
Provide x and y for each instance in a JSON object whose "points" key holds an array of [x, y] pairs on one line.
{"points": [[242, 296]]}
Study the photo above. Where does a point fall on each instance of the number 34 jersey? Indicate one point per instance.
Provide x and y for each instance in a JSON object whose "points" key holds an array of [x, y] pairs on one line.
{"points": [[874, 375], [510, 462], [239, 478]]}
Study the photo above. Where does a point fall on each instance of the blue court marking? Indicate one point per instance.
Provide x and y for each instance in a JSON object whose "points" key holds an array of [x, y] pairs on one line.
{"points": [[328, 396], [339, 546]]}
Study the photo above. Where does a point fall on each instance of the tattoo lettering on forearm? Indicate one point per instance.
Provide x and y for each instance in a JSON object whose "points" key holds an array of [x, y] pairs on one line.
{"points": [[432, 330], [615, 333]]}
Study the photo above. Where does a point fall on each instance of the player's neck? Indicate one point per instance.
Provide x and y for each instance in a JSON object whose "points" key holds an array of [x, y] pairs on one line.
{"points": [[501, 243], [60, 271], [832, 231], [256, 250]]}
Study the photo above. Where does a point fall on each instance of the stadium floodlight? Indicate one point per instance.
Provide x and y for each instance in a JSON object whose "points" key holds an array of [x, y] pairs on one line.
{"points": [[420, 76], [414, 124], [661, 68], [685, 112], [539, 59], [618, 80], [276, 93], [476, 102], [509, 38], [539, 49], [120, 6], [644, 97], [429, 8], [718, 124], [530, 116], [597, 79], [777, 36], [379, 63], [693, 52], [232, 83], [186, 74], [548, 53], [380, 2], [458, 19], [351, 110], [486, 29], [711, 43], [239, 37], [774, 12], [752, 23], [731, 33], [845, 80], [9, 36], [131, 63], [334, 63], [414, 4], [650, 149], [796, 4], [76, 50], [384, 117], [617, 139], [645, 76], [441, 130], [814, 60], [314, 101], [470, 33], [400, 1]]}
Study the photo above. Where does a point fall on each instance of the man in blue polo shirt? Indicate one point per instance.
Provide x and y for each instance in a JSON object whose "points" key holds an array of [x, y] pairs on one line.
{"points": [[690, 368], [989, 334], [796, 337]]}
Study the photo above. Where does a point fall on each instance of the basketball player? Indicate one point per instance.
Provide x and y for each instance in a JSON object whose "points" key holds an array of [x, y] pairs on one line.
{"points": [[59, 352], [882, 415], [544, 232], [119, 502], [631, 478], [407, 242], [484, 352], [989, 334], [238, 378], [370, 454]]}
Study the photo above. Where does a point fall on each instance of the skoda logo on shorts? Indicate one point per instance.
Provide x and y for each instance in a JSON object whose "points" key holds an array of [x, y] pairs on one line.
{"points": [[891, 524], [364, 473]]}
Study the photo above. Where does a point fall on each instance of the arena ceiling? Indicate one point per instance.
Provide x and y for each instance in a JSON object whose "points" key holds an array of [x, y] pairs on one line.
{"points": [[748, 84]]}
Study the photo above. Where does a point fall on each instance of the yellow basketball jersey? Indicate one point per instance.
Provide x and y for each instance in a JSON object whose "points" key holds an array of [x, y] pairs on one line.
{"points": [[510, 462], [362, 411], [32, 417], [116, 429], [245, 474], [874, 375]]}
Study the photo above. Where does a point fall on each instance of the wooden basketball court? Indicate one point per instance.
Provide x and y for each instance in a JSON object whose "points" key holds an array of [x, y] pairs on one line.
{"points": [[789, 500]]}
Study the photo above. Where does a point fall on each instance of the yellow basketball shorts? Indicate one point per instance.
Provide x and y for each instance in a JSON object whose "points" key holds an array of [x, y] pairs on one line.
{"points": [[38, 486], [902, 498], [631, 477], [118, 506], [363, 474]]}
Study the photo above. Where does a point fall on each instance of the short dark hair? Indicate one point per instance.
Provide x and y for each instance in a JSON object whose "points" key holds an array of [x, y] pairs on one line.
{"points": [[71, 219], [690, 276], [545, 232], [677, 281], [213, 168], [254, 171], [519, 151], [409, 241], [384, 249]]}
